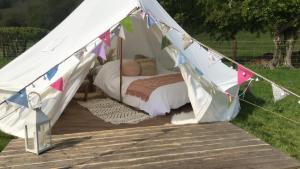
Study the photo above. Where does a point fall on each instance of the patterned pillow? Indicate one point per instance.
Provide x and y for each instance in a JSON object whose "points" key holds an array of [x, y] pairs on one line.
{"points": [[148, 65], [131, 68]]}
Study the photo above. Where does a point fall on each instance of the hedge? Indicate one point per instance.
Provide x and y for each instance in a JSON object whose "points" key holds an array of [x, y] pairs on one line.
{"points": [[15, 40]]}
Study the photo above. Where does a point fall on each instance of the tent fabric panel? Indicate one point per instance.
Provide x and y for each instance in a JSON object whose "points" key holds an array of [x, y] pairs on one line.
{"points": [[86, 23]]}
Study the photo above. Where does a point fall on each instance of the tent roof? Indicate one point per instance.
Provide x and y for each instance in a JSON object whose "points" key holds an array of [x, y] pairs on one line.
{"points": [[86, 23]]}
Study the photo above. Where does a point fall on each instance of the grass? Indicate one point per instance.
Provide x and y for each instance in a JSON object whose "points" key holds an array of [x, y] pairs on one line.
{"points": [[276, 131], [4, 138]]}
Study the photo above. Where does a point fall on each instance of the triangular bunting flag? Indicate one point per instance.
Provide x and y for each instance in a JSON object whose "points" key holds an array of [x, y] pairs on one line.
{"points": [[278, 93], [180, 60], [150, 21], [211, 58], [204, 47], [58, 85], [52, 72], [80, 53], [165, 42], [187, 41], [164, 28], [143, 14], [100, 51], [127, 24], [199, 71], [20, 98], [105, 37], [243, 75], [119, 31], [3, 109]]}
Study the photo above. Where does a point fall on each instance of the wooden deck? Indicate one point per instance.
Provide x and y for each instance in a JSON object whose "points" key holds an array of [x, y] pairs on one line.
{"points": [[215, 145]]}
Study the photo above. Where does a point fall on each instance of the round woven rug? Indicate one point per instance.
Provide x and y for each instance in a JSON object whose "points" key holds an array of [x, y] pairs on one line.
{"points": [[114, 112]]}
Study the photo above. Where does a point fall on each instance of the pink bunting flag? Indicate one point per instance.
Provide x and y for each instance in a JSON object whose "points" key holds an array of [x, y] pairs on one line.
{"points": [[243, 75], [58, 85], [100, 51], [105, 37], [143, 14]]}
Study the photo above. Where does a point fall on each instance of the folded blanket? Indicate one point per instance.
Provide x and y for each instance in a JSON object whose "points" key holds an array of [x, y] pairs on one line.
{"points": [[143, 88]]}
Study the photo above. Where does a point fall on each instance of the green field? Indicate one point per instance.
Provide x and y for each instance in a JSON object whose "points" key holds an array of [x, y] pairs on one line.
{"points": [[279, 132], [249, 45]]}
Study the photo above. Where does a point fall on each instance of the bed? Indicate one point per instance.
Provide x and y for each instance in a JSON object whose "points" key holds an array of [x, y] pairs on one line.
{"points": [[161, 100]]}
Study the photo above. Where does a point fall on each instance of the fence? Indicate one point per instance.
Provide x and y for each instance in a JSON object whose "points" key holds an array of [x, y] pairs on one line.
{"points": [[15, 40], [249, 51]]}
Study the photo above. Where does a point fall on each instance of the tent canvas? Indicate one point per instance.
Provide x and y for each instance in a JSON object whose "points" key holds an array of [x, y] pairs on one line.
{"points": [[79, 31]]}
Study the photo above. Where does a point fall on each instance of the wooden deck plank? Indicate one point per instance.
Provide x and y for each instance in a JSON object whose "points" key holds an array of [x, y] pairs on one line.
{"points": [[139, 143], [139, 136], [151, 145], [134, 154], [121, 149]]}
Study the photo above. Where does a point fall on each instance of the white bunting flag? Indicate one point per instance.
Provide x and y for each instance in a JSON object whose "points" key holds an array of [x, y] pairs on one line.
{"points": [[3, 109], [213, 57], [278, 93], [164, 28], [79, 54], [143, 14], [187, 41], [119, 31]]}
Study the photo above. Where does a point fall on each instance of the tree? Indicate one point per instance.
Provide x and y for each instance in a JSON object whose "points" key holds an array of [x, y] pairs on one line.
{"points": [[282, 18], [35, 13], [186, 14], [220, 19], [223, 20], [54, 10], [5, 4]]}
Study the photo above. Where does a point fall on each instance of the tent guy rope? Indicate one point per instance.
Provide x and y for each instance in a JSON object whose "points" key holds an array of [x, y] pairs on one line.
{"points": [[269, 111]]}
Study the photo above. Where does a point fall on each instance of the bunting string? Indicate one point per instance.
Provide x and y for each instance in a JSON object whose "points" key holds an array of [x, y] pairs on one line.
{"points": [[8, 114], [256, 74], [249, 71]]}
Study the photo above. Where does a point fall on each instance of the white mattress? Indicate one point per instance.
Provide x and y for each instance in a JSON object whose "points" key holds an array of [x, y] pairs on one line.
{"points": [[161, 101]]}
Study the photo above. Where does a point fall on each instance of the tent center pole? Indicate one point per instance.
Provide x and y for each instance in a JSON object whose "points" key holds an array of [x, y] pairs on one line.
{"points": [[121, 67]]}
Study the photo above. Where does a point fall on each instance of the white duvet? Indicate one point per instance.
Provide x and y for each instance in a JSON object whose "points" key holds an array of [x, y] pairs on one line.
{"points": [[161, 101]]}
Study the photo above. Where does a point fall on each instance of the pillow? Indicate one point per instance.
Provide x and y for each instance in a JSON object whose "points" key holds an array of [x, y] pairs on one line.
{"points": [[131, 68], [148, 66], [136, 57]]}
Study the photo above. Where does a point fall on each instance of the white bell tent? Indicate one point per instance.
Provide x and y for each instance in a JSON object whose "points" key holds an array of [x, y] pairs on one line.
{"points": [[66, 52]]}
